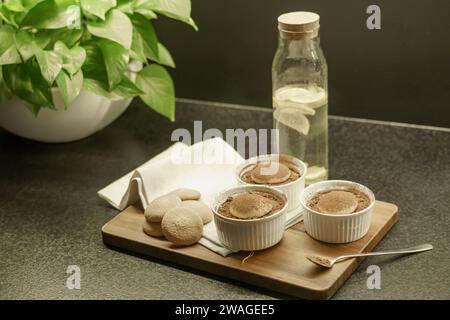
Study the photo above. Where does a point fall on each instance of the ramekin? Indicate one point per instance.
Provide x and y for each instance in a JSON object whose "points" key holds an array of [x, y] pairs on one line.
{"points": [[293, 190], [341, 228], [249, 235]]}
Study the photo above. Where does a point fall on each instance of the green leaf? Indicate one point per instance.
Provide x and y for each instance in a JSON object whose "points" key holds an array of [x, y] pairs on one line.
{"points": [[157, 84], [127, 89], [5, 94], [7, 16], [98, 88], [26, 82], [41, 87], [124, 90], [97, 8], [14, 5], [105, 66], [140, 6], [126, 6], [94, 65], [33, 108], [149, 14], [8, 51], [137, 51], [28, 4], [50, 64], [179, 9], [16, 46], [52, 14], [117, 27], [115, 59], [165, 57], [69, 36], [24, 44], [69, 87], [72, 59], [146, 31]]}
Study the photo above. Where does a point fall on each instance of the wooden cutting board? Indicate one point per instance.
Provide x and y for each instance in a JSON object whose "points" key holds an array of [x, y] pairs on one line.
{"points": [[282, 268]]}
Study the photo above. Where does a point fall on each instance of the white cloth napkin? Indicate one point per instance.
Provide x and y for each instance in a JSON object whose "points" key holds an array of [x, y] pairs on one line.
{"points": [[208, 166]]}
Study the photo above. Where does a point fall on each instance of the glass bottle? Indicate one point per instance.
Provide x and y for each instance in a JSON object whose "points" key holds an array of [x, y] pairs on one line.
{"points": [[300, 93]]}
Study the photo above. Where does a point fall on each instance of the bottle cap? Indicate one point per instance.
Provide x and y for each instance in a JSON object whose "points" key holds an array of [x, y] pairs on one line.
{"points": [[298, 25]]}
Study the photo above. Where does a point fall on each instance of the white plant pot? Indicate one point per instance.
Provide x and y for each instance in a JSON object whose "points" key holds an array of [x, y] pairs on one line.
{"points": [[88, 114]]}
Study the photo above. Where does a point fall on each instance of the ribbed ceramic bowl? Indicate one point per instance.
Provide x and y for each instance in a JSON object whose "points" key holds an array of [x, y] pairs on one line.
{"points": [[254, 234], [293, 190], [341, 228]]}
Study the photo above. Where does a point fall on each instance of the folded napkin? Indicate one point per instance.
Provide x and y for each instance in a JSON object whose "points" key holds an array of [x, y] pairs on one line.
{"points": [[208, 166]]}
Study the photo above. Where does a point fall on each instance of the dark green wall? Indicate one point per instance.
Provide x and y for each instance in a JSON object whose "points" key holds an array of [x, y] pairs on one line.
{"points": [[398, 73]]}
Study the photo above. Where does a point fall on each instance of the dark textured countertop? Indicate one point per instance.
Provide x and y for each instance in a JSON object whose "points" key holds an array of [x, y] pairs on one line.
{"points": [[50, 215]]}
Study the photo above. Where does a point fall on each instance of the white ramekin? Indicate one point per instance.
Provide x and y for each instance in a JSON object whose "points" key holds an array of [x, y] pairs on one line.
{"points": [[254, 234], [341, 228], [293, 190]]}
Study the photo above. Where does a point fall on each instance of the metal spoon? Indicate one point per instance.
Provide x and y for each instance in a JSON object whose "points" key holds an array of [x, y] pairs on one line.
{"points": [[327, 262]]}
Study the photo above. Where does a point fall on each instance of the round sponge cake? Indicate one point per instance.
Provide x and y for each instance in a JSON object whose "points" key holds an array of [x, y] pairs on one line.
{"points": [[187, 194], [158, 207], [200, 208], [182, 226], [152, 229]]}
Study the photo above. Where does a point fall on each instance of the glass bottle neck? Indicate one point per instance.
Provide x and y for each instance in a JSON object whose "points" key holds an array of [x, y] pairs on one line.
{"points": [[304, 43], [299, 48]]}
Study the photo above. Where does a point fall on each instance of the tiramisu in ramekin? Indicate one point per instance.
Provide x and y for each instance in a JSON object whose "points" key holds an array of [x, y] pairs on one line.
{"points": [[282, 172], [250, 217], [337, 211]]}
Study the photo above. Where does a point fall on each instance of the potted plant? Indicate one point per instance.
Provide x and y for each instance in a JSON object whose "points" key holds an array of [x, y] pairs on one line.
{"points": [[68, 68]]}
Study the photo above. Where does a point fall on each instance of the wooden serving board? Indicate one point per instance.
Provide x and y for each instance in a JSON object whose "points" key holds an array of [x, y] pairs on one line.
{"points": [[282, 268]]}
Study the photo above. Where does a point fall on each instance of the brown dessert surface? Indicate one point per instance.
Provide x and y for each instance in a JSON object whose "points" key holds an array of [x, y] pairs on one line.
{"points": [[287, 172], [268, 205], [339, 201]]}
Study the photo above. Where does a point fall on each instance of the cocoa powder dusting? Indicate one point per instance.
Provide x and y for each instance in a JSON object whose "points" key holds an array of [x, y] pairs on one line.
{"points": [[363, 199], [247, 178], [277, 202]]}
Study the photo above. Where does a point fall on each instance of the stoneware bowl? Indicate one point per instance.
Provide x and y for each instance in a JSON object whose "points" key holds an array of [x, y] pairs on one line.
{"points": [[87, 114]]}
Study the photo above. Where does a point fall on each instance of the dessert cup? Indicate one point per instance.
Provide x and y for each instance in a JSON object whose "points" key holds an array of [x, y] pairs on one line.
{"points": [[336, 228], [252, 234], [292, 189]]}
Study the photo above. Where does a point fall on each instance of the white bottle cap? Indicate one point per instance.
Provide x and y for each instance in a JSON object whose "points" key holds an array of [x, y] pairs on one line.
{"points": [[299, 25]]}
